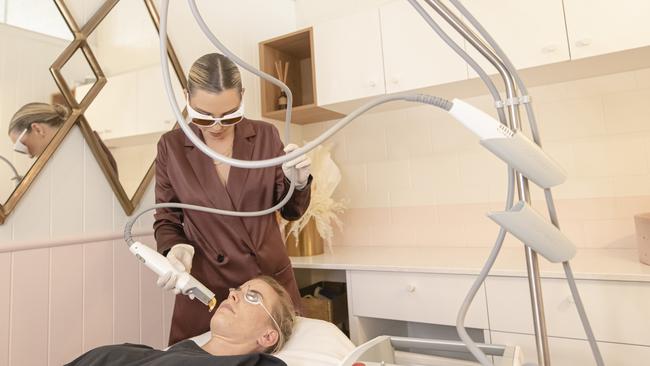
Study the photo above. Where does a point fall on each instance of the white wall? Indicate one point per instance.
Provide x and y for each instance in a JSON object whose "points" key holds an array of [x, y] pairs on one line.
{"points": [[309, 12], [36, 15], [415, 177]]}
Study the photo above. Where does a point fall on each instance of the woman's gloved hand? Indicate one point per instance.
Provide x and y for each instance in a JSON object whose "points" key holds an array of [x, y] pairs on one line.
{"points": [[180, 257], [299, 167]]}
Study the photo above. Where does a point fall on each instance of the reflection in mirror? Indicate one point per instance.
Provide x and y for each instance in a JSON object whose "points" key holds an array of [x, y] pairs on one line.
{"points": [[131, 111], [32, 35], [77, 72]]}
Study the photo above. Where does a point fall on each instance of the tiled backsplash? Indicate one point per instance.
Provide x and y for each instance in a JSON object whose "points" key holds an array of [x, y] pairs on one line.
{"points": [[416, 177]]}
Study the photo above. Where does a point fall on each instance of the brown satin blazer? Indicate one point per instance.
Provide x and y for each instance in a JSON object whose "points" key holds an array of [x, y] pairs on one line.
{"points": [[228, 250]]}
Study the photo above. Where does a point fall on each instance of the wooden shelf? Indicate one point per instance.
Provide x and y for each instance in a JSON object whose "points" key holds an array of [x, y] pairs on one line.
{"points": [[304, 114], [296, 49]]}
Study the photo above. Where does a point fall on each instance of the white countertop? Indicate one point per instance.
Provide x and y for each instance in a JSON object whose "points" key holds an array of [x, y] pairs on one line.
{"points": [[597, 264]]}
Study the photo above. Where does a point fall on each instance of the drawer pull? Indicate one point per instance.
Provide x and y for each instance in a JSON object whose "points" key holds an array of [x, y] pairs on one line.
{"points": [[567, 304], [411, 288]]}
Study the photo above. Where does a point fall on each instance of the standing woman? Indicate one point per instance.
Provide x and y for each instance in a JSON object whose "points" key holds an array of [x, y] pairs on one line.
{"points": [[223, 251]]}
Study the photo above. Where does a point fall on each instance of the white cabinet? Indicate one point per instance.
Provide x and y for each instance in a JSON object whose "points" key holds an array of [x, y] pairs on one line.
{"points": [[414, 55], [348, 59], [113, 112], [531, 33], [572, 352], [154, 113], [416, 297], [617, 310], [133, 103], [597, 26]]}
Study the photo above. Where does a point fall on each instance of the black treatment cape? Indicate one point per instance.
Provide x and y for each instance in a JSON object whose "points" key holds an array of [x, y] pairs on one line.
{"points": [[183, 353]]}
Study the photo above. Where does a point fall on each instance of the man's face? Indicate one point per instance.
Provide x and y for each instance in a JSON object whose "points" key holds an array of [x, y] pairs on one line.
{"points": [[245, 323]]}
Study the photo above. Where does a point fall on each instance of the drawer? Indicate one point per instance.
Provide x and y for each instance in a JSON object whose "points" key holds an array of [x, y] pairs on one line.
{"points": [[416, 297], [572, 352], [617, 310]]}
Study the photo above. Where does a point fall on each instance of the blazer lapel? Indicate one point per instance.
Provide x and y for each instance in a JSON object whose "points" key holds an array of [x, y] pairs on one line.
{"points": [[243, 146], [208, 178], [206, 174]]}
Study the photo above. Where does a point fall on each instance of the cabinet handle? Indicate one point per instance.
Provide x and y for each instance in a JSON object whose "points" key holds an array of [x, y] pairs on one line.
{"points": [[411, 288], [583, 42], [394, 80], [372, 83], [108, 131], [549, 49], [567, 303]]}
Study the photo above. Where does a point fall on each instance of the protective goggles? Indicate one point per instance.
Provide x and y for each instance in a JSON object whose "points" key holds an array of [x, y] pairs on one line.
{"points": [[206, 121], [19, 146], [255, 298]]}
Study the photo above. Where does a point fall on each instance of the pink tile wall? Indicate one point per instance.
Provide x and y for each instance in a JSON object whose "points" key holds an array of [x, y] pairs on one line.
{"points": [[415, 177], [5, 306], [64, 301], [589, 223]]}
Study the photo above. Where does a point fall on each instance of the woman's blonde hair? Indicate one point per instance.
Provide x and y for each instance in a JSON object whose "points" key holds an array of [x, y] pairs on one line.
{"points": [[284, 313], [52, 115], [215, 73]]}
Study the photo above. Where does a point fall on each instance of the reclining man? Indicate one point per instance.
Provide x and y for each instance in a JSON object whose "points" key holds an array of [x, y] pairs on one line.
{"points": [[255, 321]]}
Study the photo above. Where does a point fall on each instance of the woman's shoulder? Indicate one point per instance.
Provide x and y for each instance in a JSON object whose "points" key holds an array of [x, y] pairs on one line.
{"points": [[264, 132], [174, 139], [260, 126]]}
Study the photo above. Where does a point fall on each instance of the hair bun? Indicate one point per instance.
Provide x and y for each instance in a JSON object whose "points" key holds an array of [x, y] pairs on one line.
{"points": [[62, 110]]}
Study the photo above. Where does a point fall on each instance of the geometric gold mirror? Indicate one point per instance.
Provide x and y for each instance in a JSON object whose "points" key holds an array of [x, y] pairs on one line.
{"points": [[123, 107], [130, 112], [107, 77], [32, 34]]}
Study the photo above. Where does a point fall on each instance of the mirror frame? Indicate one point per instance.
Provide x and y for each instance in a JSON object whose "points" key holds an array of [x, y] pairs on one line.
{"points": [[77, 116]]}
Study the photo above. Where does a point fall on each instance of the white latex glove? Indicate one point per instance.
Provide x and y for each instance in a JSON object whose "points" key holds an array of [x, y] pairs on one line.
{"points": [[299, 167], [180, 257]]}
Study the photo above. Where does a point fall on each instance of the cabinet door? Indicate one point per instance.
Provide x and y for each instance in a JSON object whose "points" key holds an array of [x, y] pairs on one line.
{"points": [[597, 26], [617, 310], [348, 58], [154, 114], [112, 114], [572, 352], [414, 55], [531, 33], [415, 297]]}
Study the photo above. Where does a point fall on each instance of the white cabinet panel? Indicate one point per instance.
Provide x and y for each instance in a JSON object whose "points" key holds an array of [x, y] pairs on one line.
{"points": [[572, 352], [113, 112], [597, 26], [618, 311], [154, 114], [418, 297], [348, 58], [414, 55], [531, 33]]}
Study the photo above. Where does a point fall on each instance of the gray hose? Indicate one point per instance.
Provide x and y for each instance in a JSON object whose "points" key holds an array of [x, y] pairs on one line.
{"points": [[464, 308], [547, 191], [461, 52], [220, 46], [582, 313], [416, 98], [128, 227], [17, 177], [462, 313], [128, 237]]}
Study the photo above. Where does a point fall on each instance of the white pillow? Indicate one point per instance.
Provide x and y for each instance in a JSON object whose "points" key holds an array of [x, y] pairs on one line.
{"points": [[313, 343]]}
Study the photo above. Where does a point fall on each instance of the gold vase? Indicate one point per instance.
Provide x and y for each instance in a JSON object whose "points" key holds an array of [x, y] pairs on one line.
{"points": [[309, 242]]}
